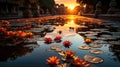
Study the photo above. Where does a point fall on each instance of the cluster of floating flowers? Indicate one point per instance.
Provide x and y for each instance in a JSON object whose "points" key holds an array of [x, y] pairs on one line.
{"points": [[12, 37], [57, 39], [69, 57], [49, 40]]}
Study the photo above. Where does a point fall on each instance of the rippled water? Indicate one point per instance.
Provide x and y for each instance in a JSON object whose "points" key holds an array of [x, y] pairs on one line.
{"points": [[36, 56]]}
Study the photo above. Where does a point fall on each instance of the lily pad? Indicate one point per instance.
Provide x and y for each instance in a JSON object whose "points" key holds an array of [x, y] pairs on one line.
{"points": [[100, 42], [61, 53], [99, 30], [59, 49], [115, 42], [96, 51], [92, 37], [62, 65], [53, 47], [96, 45], [84, 47], [56, 48], [92, 34], [93, 59]]}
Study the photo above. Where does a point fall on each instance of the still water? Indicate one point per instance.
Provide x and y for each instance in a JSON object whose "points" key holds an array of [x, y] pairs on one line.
{"points": [[18, 56]]}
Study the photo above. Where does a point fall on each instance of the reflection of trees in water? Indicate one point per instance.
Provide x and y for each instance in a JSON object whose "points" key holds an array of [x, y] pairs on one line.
{"points": [[116, 52], [11, 53]]}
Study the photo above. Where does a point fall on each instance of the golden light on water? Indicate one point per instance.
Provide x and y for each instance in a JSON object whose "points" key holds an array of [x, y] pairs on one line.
{"points": [[71, 23]]}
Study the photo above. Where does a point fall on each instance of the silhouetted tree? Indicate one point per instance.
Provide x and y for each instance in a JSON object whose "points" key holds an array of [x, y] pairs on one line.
{"points": [[105, 3], [47, 4]]}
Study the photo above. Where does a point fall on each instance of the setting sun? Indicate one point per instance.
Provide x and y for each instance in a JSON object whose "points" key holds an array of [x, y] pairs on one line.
{"points": [[71, 4], [71, 7]]}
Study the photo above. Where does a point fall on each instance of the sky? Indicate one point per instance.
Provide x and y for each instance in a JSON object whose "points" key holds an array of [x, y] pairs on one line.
{"points": [[68, 3]]}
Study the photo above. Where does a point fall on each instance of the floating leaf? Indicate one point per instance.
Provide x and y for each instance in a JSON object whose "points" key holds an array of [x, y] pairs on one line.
{"points": [[96, 45], [96, 51], [93, 59], [84, 47], [61, 53], [62, 65]]}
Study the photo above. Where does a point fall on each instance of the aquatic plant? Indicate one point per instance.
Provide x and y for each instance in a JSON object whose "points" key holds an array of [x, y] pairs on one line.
{"points": [[53, 60], [48, 40], [67, 43], [77, 62], [88, 40], [58, 38]]}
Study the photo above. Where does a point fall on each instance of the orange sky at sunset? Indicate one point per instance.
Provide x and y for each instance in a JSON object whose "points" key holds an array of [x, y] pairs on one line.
{"points": [[69, 3]]}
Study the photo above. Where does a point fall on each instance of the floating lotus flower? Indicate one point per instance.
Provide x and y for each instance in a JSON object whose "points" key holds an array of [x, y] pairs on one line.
{"points": [[2, 29], [58, 38], [77, 62], [5, 23], [48, 40], [23, 35], [13, 37], [9, 33], [29, 34], [69, 54], [19, 32], [88, 40], [53, 60], [67, 43]]}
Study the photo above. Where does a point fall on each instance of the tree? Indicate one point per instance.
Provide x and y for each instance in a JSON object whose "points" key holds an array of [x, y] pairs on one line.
{"points": [[105, 4], [88, 2], [47, 4]]}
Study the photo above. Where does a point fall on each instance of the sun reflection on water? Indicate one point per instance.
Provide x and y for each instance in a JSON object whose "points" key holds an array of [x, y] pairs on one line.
{"points": [[71, 23]]}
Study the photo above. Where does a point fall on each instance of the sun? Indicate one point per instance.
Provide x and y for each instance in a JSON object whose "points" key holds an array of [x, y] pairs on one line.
{"points": [[71, 7]]}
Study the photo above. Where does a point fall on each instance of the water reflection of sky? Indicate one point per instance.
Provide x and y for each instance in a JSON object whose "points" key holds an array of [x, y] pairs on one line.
{"points": [[37, 56]]}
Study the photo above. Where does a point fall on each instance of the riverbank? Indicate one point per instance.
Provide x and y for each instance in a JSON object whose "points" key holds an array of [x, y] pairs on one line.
{"points": [[112, 17]]}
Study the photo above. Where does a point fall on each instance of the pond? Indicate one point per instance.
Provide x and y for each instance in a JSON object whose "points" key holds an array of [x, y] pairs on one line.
{"points": [[74, 29]]}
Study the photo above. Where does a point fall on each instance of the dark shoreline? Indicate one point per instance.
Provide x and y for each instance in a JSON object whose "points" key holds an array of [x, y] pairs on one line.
{"points": [[112, 17]]}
